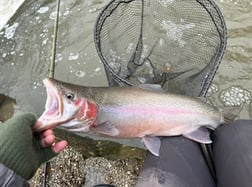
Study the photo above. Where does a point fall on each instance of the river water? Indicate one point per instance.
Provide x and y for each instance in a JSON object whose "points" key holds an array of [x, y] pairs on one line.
{"points": [[26, 43], [234, 73]]}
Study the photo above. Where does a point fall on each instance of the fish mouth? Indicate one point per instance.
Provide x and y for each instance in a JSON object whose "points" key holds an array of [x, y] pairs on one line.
{"points": [[51, 117]]}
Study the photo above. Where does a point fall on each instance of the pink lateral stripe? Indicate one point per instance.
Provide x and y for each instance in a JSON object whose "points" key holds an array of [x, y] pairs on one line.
{"points": [[148, 111]]}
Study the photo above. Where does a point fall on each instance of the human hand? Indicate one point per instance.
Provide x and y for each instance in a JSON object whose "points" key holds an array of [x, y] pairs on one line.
{"points": [[48, 140], [24, 151]]}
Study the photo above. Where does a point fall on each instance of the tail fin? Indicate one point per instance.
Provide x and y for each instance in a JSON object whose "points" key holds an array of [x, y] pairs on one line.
{"points": [[230, 113]]}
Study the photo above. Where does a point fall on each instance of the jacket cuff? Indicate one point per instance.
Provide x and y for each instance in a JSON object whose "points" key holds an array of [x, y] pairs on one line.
{"points": [[9, 179]]}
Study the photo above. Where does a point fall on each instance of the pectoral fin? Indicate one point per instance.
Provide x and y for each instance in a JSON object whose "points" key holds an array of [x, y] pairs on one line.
{"points": [[105, 128], [153, 144], [200, 135]]}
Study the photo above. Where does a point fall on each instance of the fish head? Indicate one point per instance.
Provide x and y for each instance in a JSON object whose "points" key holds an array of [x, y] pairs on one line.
{"points": [[66, 108]]}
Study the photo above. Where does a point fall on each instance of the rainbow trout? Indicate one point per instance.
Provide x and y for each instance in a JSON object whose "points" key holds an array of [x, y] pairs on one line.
{"points": [[127, 112]]}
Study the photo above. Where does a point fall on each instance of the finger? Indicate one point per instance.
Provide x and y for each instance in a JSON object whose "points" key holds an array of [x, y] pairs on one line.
{"points": [[47, 133], [59, 146], [47, 141]]}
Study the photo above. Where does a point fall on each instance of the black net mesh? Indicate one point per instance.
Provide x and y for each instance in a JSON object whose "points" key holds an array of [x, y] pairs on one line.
{"points": [[176, 43]]}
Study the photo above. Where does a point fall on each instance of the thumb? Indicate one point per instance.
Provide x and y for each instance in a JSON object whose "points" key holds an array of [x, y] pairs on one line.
{"points": [[18, 126], [28, 119]]}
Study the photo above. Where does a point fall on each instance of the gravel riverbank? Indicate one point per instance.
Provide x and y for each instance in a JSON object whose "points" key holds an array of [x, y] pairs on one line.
{"points": [[69, 168]]}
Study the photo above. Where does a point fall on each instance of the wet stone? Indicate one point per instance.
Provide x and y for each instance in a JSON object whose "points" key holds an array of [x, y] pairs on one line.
{"points": [[6, 107]]}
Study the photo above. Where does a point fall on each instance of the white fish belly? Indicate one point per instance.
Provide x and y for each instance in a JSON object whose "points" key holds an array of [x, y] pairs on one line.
{"points": [[138, 122]]}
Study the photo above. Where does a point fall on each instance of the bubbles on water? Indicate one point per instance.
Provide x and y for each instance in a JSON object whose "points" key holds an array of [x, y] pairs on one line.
{"points": [[130, 47], [161, 41], [213, 89], [73, 56], [71, 69], [165, 3], [235, 96], [175, 31], [58, 57], [44, 42], [66, 13], [36, 85], [10, 30], [145, 51], [91, 10], [114, 56], [8, 54], [53, 15], [98, 69], [43, 10], [4, 55], [80, 73], [115, 66]]}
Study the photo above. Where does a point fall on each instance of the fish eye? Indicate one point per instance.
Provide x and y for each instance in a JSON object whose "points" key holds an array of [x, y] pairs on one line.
{"points": [[70, 96]]}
